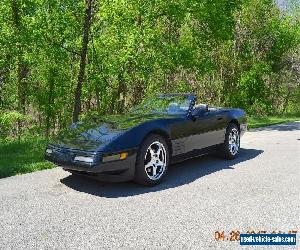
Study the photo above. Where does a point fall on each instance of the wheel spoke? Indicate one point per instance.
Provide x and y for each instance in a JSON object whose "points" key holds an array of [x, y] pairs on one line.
{"points": [[152, 153], [149, 164], [233, 149], [160, 162], [159, 151], [154, 169]]}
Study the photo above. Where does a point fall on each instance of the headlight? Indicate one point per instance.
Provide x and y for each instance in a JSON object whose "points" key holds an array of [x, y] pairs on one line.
{"points": [[85, 159]]}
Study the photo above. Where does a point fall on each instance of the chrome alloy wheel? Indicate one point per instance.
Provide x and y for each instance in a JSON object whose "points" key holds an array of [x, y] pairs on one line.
{"points": [[234, 141], [155, 160]]}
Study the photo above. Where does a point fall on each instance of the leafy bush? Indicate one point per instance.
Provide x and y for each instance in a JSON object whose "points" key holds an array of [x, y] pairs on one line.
{"points": [[253, 91], [10, 123]]}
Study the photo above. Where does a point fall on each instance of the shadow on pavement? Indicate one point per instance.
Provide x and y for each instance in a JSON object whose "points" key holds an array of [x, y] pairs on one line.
{"points": [[178, 175], [280, 127]]}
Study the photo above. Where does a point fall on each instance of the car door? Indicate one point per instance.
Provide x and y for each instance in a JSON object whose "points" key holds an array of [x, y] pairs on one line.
{"points": [[208, 129], [181, 134]]}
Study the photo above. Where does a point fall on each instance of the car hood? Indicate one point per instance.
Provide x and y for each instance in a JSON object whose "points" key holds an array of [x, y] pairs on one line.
{"points": [[96, 132]]}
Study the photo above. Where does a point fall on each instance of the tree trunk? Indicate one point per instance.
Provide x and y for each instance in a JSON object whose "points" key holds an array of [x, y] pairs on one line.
{"points": [[98, 99], [22, 70], [286, 102], [121, 92], [22, 86], [49, 110], [83, 54]]}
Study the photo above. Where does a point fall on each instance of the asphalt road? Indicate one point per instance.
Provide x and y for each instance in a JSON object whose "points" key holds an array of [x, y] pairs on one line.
{"points": [[258, 191]]}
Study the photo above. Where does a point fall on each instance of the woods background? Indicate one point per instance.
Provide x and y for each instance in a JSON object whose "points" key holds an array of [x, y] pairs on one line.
{"points": [[62, 59]]}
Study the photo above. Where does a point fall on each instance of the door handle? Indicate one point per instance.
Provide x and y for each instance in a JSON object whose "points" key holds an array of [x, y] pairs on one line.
{"points": [[219, 117]]}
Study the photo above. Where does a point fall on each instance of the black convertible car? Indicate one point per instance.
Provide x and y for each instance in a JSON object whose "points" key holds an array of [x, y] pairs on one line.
{"points": [[141, 144]]}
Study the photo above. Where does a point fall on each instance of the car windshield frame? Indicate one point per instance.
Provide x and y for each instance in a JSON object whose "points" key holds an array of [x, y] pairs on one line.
{"points": [[170, 104]]}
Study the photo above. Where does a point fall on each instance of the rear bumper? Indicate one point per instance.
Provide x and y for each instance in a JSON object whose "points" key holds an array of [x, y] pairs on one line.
{"points": [[115, 171]]}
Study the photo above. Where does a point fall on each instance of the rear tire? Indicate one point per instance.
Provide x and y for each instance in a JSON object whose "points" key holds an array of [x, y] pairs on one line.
{"points": [[230, 148], [152, 161]]}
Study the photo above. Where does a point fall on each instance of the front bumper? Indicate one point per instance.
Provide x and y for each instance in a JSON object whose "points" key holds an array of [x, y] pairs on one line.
{"points": [[118, 170]]}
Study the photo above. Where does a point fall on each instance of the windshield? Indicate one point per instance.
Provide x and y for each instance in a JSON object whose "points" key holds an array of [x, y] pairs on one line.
{"points": [[164, 104]]}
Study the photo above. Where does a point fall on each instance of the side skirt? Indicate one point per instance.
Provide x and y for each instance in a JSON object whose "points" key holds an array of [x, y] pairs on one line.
{"points": [[194, 154]]}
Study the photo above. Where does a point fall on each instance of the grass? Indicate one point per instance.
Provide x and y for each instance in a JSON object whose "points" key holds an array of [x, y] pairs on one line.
{"points": [[256, 122], [27, 155]]}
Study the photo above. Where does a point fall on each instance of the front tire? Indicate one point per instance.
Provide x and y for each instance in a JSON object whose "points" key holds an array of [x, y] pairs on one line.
{"points": [[230, 147], [152, 161]]}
